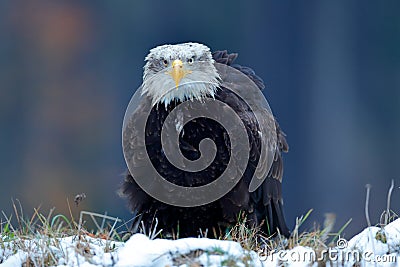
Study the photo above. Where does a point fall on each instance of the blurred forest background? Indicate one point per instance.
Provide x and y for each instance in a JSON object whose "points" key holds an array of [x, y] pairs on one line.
{"points": [[332, 69]]}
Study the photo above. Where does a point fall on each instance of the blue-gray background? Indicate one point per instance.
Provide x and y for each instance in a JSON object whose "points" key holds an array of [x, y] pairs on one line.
{"points": [[332, 70]]}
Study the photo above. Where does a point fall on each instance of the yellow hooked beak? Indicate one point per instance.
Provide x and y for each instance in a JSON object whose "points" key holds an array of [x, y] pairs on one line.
{"points": [[178, 71]]}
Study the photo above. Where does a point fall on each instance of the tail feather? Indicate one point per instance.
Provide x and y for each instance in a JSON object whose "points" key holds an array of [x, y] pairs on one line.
{"points": [[275, 218], [279, 217]]}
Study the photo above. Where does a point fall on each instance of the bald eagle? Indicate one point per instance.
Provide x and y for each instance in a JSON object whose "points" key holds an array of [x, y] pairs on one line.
{"points": [[190, 73]]}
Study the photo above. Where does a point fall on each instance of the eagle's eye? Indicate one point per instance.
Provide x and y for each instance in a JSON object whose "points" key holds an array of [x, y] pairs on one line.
{"points": [[190, 60], [165, 62]]}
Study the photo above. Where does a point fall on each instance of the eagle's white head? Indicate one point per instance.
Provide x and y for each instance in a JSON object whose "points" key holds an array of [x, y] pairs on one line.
{"points": [[179, 72]]}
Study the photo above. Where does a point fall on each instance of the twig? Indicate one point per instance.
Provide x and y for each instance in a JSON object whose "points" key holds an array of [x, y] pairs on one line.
{"points": [[387, 215], [92, 215], [368, 186]]}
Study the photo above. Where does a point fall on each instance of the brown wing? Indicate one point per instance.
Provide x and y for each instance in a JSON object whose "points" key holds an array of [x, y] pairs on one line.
{"points": [[265, 204]]}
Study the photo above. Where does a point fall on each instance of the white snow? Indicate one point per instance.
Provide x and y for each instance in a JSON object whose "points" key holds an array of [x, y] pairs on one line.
{"points": [[141, 251], [372, 249]]}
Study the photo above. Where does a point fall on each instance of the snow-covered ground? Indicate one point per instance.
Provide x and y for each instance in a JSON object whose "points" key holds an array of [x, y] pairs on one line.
{"points": [[372, 247]]}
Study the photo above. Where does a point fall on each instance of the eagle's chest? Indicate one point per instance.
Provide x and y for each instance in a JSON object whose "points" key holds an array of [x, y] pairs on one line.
{"points": [[190, 135]]}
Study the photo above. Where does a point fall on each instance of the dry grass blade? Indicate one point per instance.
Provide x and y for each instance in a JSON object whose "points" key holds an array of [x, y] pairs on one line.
{"points": [[100, 227], [152, 232]]}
